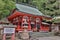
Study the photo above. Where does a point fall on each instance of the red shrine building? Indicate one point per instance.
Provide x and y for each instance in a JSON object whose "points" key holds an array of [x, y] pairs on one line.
{"points": [[29, 17]]}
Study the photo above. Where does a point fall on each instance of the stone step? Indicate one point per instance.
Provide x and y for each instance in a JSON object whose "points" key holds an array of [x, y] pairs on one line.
{"points": [[39, 34]]}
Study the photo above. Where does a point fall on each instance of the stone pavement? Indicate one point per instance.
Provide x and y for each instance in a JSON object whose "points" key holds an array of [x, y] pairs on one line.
{"points": [[41, 36], [44, 38], [49, 38]]}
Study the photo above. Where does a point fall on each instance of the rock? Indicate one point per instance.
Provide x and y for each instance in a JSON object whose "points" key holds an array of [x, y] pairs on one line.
{"points": [[24, 34]]}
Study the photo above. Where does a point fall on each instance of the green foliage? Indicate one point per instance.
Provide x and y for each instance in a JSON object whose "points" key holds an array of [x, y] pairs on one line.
{"points": [[5, 7], [48, 7]]}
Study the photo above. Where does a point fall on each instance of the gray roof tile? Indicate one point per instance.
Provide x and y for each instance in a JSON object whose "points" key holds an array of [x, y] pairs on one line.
{"points": [[28, 9]]}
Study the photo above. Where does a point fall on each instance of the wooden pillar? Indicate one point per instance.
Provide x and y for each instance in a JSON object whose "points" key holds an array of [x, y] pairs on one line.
{"points": [[4, 36], [18, 27], [22, 23], [13, 36], [29, 22], [38, 23], [19, 24]]}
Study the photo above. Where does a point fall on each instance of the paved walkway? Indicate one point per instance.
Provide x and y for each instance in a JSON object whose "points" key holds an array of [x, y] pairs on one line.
{"points": [[49, 38], [44, 38]]}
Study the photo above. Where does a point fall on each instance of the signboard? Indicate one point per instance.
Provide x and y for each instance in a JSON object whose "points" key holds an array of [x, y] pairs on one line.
{"points": [[9, 30]]}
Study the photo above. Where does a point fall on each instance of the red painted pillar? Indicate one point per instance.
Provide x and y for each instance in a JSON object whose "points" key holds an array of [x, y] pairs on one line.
{"points": [[38, 24], [29, 27], [41, 24], [19, 24], [4, 36], [18, 28], [13, 36], [22, 23]]}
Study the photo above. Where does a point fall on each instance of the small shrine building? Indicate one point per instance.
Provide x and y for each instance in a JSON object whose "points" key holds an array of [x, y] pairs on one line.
{"points": [[30, 17]]}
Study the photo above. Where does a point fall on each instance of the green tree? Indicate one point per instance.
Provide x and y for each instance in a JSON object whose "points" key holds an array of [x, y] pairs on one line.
{"points": [[5, 7], [48, 7], [2, 4]]}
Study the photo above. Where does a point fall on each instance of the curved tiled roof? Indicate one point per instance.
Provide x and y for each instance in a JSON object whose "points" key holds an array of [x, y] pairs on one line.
{"points": [[28, 9]]}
